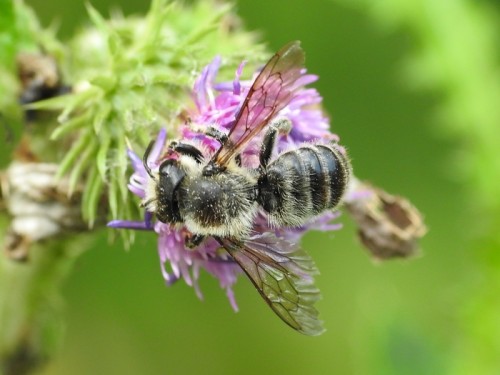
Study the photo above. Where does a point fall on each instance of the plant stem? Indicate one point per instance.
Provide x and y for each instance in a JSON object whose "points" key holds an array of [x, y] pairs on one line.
{"points": [[30, 305]]}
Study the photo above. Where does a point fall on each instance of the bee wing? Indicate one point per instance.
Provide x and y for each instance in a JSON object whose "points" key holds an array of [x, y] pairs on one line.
{"points": [[282, 273], [271, 91]]}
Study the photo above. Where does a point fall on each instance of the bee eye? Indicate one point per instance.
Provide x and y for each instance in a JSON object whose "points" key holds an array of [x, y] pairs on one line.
{"points": [[170, 171], [169, 166]]}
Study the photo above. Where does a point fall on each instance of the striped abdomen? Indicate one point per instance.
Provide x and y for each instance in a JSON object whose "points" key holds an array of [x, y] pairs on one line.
{"points": [[302, 183]]}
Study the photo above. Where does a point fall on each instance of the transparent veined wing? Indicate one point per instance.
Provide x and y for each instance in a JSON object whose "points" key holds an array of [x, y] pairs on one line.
{"points": [[271, 91], [283, 275]]}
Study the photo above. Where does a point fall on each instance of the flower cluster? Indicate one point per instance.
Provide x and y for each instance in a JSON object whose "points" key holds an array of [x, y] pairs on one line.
{"points": [[216, 105]]}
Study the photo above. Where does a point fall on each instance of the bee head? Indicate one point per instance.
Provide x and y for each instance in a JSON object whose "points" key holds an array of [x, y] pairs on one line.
{"points": [[170, 176]]}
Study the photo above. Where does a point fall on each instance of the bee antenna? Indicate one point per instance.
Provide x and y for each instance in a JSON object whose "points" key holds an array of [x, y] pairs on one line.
{"points": [[145, 160]]}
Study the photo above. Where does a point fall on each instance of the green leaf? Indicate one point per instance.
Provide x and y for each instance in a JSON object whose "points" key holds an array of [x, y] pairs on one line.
{"points": [[75, 152], [70, 126], [122, 169], [102, 154], [113, 193], [91, 94], [154, 22], [99, 21], [81, 164], [91, 196], [200, 32], [68, 103], [106, 82], [102, 116], [58, 102]]}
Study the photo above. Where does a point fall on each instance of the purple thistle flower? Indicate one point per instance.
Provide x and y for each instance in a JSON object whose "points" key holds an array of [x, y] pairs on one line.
{"points": [[217, 105]]}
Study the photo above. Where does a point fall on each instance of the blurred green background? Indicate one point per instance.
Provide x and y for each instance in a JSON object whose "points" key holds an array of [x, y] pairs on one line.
{"points": [[400, 317]]}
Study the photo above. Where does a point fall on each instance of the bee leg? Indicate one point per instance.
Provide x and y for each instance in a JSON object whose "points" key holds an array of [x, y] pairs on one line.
{"points": [[278, 126], [222, 138], [217, 135], [211, 132], [194, 240], [186, 149]]}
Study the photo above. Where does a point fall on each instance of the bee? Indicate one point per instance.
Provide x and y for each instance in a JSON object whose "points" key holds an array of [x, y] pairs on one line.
{"points": [[217, 197]]}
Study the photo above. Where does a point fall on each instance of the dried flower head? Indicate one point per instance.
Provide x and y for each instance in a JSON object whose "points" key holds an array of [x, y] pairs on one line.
{"points": [[388, 226]]}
